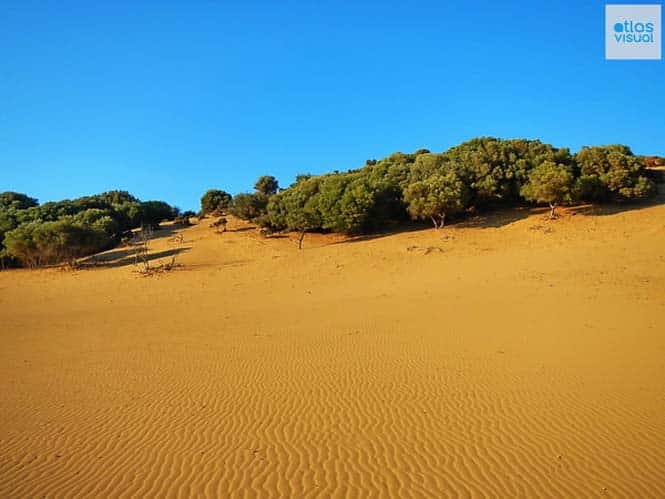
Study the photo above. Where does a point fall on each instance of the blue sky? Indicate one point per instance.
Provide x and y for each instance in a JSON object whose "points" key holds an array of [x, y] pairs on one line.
{"points": [[168, 99]]}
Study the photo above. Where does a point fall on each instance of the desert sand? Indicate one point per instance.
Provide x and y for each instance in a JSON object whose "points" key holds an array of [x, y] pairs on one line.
{"points": [[503, 356]]}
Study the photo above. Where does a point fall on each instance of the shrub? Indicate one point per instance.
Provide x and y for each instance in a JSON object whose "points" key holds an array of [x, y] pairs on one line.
{"points": [[16, 201], [436, 197], [154, 212], [44, 243], [249, 206], [215, 202], [20, 243], [611, 173], [266, 185], [549, 183], [495, 169]]}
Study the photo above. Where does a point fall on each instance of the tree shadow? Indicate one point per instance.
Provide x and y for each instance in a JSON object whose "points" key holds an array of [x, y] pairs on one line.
{"points": [[391, 230], [124, 257], [167, 230], [495, 219], [485, 219], [604, 209]]}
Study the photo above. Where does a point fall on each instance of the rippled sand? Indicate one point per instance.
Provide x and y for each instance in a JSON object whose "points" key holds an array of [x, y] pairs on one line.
{"points": [[513, 357]]}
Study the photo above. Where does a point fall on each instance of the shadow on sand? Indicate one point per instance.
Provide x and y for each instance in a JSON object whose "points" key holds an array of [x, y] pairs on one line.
{"points": [[614, 208], [124, 257], [489, 219], [504, 216]]}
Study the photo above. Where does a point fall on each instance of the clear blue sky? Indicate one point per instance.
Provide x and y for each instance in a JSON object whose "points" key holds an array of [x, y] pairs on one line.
{"points": [[168, 99]]}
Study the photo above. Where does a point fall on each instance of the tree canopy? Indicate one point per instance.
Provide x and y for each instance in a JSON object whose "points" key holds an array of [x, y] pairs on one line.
{"points": [[549, 183], [267, 185], [479, 173], [215, 202], [54, 232]]}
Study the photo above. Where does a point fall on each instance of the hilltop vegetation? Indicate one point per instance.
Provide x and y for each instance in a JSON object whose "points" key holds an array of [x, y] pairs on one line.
{"points": [[32, 234], [480, 173]]}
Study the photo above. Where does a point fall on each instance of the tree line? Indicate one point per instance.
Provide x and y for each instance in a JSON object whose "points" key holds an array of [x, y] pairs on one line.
{"points": [[478, 174], [33, 235]]}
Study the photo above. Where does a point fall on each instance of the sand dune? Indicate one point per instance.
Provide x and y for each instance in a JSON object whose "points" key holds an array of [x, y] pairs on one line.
{"points": [[504, 356]]}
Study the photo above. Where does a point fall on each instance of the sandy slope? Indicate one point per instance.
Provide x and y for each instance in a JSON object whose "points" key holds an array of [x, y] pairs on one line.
{"points": [[515, 357]]}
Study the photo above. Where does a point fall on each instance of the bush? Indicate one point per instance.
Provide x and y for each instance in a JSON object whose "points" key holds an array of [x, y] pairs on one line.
{"points": [[249, 206], [154, 212], [215, 202], [45, 243], [611, 173], [16, 201], [549, 183], [495, 170], [63, 230], [337, 202], [436, 197], [266, 185]]}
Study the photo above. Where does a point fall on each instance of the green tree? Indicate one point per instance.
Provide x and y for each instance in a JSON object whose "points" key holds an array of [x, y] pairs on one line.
{"points": [[36, 243], [266, 185], [215, 201], [7, 222], [611, 173], [296, 208], [154, 212], [249, 206], [127, 214], [20, 243], [435, 197], [549, 183], [16, 201]]}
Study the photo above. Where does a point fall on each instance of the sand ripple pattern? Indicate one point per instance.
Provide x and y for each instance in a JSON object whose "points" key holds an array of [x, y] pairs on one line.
{"points": [[272, 421], [345, 370]]}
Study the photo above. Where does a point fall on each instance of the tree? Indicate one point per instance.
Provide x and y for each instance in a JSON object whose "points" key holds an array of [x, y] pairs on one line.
{"points": [[16, 201], [249, 206], [64, 230], [20, 243], [153, 212], [36, 244], [296, 208], [99, 219], [7, 222], [356, 207], [549, 183], [435, 197], [215, 201], [494, 170], [303, 217], [611, 173], [266, 185]]}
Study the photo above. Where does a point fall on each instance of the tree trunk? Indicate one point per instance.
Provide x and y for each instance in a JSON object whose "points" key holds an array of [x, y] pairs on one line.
{"points": [[300, 239], [436, 225], [552, 208], [443, 220]]}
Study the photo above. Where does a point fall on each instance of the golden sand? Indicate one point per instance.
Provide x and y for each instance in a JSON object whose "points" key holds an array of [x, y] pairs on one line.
{"points": [[505, 356]]}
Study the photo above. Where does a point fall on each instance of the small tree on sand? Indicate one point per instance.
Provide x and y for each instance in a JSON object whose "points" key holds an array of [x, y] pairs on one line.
{"points": [[549, 183], [303, 219], [435, 197]]}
